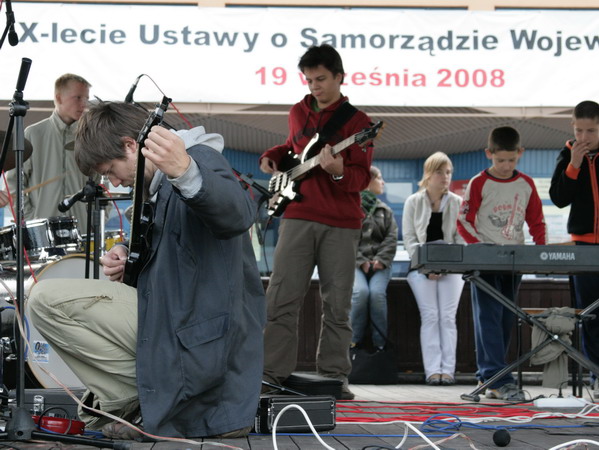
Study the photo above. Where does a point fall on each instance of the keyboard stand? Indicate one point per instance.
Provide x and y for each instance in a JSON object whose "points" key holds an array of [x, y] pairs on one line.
{"points": [[580, 318], [572, 352]]}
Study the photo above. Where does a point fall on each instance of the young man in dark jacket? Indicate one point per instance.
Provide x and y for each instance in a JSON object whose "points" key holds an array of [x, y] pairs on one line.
{"points": [[185, 348], [575, 183], [321, 230]]}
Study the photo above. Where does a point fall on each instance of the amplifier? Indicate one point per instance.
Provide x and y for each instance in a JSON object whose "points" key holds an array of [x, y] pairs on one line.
{"points": [[320, 410]]}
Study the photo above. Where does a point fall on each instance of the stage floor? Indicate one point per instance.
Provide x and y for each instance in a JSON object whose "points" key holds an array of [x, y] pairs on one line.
{"points": [[376, 420]]}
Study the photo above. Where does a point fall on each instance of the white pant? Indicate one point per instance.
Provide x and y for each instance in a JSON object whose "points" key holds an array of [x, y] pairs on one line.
{"points": [[438, 302], [92, 326]]}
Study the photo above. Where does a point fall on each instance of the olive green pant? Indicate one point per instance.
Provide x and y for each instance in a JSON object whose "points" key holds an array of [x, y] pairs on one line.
{"points": [[303, 245]]}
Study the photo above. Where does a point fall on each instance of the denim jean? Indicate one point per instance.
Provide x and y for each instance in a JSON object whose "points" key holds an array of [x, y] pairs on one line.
{"points": [[369, 305], [586, 290], [493, 325]]}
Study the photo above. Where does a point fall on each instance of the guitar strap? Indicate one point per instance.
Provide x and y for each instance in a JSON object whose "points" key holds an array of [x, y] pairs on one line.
{"points": [[337, 120]]}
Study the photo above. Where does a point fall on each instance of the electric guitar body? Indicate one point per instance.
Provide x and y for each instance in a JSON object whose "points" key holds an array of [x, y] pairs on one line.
{"points": [[284, 186]]}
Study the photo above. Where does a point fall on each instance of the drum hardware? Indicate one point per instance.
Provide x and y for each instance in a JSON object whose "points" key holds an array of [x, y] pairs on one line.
{"points": [[19, 422], [6, 344]]}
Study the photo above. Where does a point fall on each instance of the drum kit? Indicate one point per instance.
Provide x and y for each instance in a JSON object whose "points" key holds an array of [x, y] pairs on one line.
{"points": [[55, 249]]}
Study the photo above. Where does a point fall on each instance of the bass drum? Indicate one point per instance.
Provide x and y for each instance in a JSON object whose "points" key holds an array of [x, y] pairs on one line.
{"points": [[42, 354]]}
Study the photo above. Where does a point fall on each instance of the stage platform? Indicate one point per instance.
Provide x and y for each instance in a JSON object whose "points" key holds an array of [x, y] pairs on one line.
{"points": [[375, 420]]}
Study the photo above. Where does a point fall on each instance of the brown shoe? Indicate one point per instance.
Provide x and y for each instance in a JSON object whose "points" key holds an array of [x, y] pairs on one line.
{"points": [[434, 379], [447, 380], [120, 431]]}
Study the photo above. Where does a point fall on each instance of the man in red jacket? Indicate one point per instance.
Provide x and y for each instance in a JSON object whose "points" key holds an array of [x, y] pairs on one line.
{"points": [[322, 229]]}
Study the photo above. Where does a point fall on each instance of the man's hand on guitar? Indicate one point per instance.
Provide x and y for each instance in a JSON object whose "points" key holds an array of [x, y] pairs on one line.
{"points": [[330, 163], [113, 262], [267, 165], [166, 151]]}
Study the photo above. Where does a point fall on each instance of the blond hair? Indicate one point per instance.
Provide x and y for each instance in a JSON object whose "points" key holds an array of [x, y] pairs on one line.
{"points": [[433, 163], [63, 81]]}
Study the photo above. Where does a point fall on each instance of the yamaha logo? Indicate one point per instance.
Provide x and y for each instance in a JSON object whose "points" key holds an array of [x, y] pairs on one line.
{"points": [[557, 256]]}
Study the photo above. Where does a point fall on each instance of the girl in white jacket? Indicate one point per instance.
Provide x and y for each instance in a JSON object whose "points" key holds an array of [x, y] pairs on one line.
{"points": [[430, 215]]}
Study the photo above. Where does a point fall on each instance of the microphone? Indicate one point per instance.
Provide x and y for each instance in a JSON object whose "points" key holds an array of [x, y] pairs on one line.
{"points": [[13, 39], [68, 203], [23, 74], [129, 97], [501, 438]]}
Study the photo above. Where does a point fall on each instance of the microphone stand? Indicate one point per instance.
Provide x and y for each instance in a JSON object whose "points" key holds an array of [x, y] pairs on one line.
{"points": [[98, 219], [10, 23], [93, 195], [20, 425]]}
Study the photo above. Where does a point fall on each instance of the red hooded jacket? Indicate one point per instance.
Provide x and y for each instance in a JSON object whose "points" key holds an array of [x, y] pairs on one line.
{"points": [[334, 203]]}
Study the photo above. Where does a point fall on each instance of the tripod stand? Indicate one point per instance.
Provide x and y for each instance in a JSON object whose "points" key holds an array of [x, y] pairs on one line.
{"points": [[573, 353], [20, 425]]}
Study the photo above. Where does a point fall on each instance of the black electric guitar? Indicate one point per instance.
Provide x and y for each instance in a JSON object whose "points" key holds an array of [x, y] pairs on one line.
{"points": [[283, 185], [141, 219]]}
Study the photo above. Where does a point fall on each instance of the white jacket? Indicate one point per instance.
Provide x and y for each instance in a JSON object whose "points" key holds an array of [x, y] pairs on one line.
{"points": [[417, 214]]}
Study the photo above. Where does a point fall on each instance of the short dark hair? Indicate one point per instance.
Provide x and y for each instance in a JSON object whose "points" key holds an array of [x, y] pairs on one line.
{"points": [[101, 130], [586, 110], [324, 55], [504, 138]]}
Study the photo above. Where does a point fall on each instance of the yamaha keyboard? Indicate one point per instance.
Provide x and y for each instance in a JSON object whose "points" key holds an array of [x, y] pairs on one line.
{"points": [[539, 259]]}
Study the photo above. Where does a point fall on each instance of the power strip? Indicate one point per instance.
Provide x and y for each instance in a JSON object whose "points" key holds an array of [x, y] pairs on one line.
{"points": [[565, 402]]}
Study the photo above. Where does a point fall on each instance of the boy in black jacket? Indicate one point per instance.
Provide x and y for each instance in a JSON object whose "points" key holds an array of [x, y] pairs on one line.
{"points": [[575, 182]]}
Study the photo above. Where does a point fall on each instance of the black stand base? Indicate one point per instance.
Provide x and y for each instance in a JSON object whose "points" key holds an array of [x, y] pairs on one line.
{"points": [[470, 397]]}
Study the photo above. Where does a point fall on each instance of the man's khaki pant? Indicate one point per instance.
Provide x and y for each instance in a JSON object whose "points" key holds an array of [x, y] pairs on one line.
{"points": [[92, 326]]}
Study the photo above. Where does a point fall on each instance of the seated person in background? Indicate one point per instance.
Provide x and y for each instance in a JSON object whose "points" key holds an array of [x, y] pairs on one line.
{"points": [[497, 203], [184, 350], [430, 215], [373, 264]]}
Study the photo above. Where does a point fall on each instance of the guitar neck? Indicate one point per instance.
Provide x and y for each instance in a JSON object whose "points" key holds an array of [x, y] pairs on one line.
{"points": [[155, 118], [137, 200], [308, 165]]}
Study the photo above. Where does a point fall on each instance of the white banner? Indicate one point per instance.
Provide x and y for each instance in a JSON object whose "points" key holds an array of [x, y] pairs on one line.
{"points": [[249, 55]]}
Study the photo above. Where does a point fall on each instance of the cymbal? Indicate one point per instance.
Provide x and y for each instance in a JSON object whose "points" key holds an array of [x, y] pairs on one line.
{"points": [[9, 162]]}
